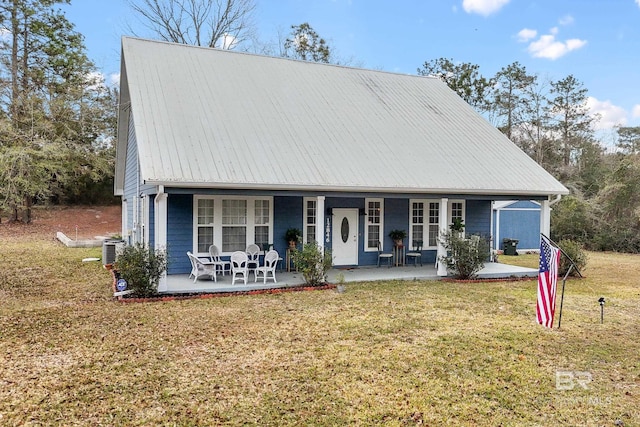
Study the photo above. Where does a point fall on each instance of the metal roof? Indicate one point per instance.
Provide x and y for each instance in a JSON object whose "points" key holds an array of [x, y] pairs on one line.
{"points": [[219, 119]]}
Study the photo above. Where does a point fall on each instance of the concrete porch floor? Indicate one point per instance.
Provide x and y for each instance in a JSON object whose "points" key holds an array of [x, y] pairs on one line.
{"points": [[180, 283]]}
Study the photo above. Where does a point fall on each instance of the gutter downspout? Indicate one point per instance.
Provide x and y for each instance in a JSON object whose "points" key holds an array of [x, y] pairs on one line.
{"points": [[556, 200]]}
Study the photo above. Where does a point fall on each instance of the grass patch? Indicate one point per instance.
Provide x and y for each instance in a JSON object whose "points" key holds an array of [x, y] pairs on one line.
{"points": [[388, 353]]}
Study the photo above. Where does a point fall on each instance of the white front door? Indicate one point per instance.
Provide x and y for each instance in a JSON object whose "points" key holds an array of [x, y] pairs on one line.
{"points": [[344, 243]]}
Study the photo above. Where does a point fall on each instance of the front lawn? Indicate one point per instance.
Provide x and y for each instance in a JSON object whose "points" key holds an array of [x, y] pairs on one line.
{"points": [[389, 353]]}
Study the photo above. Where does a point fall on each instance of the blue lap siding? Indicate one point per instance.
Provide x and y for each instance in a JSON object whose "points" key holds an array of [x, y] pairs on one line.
{"points": [[288, 212]]}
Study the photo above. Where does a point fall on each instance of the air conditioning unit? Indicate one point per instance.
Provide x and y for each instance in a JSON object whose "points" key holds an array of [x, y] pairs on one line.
{"points": [[110, 250]]}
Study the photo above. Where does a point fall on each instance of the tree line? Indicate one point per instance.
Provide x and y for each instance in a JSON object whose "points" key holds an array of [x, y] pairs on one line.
{"points": [[550, 121], [58, 117]]}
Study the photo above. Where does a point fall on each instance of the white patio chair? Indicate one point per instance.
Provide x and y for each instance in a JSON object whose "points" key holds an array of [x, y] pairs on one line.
{"points": [[270, 264], [239, 263], [253, 252], [214, 255], [384, 255], [200, 267]]}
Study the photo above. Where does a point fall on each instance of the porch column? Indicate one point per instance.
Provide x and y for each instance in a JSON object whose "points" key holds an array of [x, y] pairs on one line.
{"points": [[160, 229], [496, 238], [443, 224], [545, 217], [320, 225]]}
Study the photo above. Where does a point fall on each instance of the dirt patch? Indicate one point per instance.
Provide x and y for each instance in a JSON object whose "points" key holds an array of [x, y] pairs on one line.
{"points": [[81, 222]]}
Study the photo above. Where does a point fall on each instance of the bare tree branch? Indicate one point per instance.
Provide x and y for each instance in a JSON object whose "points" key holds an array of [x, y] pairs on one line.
{"points": [[211, 23]]}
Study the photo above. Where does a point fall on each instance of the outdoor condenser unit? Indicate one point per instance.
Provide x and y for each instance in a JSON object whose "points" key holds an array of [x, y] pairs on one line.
{"points": [[110, 251]]}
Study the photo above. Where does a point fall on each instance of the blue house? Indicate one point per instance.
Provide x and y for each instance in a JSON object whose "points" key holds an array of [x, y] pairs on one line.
{"points": [[229, 148], [519, 220]]}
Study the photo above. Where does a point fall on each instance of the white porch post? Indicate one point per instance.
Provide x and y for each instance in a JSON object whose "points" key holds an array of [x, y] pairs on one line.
{"points": [[320, 226], [496, 241], [443, 223], [160, 229], [545, 217]]}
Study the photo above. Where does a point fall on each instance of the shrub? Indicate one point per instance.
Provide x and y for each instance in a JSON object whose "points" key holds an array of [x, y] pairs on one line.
{"points": [[312, 263], [572, 219], [618, 236], [575, 252], [465, 256], [141, 267]]}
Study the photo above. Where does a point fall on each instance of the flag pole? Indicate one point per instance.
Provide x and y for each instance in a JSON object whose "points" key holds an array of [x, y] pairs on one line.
{"points": [[563, 253], [564, 280]]}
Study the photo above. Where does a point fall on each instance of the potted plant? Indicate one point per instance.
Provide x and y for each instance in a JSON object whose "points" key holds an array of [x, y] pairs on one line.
{"points": [[397, 236], [292, 236], [457, 225]]}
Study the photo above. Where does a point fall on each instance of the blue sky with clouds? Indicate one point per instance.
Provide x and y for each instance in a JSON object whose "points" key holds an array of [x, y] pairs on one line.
{"points": [[598, 41]]}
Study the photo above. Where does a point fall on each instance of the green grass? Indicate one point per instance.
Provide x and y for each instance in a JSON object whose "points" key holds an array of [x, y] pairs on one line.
{"points": [[387, 353]]}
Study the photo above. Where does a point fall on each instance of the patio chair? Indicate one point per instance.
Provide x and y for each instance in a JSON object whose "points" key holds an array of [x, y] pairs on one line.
{"points": [[270, 264], [416, 253], [384, 255], [253, 252], [239, 262], [214, 255], [200, 267]]}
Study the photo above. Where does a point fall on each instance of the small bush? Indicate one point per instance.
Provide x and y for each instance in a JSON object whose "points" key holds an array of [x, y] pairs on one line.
{"points": [[572, 219], [617, 236], [141, 267], [312, 263], [465, 256], [575, 252]]}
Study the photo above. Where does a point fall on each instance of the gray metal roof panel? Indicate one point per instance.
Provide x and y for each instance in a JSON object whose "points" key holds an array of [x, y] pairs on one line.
{"points": [[219, 118]]}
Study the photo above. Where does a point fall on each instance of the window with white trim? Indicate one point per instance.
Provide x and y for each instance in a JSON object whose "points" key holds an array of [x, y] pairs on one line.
{"points": [[375, 223], [416, 221], [262, 220], [456, 210], [204, 225], [232, 223], [434, 224], [424, 222], [310, 219]]}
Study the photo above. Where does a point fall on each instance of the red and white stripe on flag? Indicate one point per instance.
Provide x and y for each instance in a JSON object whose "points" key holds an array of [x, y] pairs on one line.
{"points": [[547, 282]]}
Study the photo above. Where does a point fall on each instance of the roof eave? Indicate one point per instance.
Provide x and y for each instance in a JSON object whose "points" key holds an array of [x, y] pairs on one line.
{"points": [[357, 189]]}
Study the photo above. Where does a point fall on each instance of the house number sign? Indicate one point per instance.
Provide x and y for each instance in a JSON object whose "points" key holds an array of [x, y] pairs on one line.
{"points": [[327, 230]]}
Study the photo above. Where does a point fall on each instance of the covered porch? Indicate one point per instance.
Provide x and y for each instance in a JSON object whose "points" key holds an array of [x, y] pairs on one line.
{"points": [[180, 283]]}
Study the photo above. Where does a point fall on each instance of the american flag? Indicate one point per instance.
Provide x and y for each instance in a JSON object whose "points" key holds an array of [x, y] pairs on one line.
{"points": [[547, 282]]}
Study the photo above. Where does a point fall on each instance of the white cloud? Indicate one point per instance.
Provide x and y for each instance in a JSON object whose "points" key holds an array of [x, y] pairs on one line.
{"points": [[114, 79], [227, 42], [546, 46], [638, 1], [635, 113], [567, 20], [94, 79], [526, 34], [610, 115], [484, 7]]}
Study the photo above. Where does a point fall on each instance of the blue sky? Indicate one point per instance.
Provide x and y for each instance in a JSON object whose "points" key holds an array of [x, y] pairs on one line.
{"points": [[598, 41]]}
